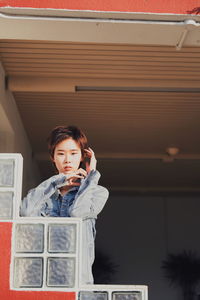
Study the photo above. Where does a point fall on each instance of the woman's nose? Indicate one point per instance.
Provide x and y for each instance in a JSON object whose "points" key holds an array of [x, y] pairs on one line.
{"points": [[67, 158]]}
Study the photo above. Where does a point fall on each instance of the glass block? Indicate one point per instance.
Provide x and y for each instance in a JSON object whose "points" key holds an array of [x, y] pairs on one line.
{"points": [[60, 272], [62, 238], [6, 205], [28, 272], [6, 172], [29, 238], [127, 295], [89, 295]]}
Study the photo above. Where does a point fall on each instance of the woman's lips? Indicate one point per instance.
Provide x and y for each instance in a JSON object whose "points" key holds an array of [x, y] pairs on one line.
{"points": [[67, 168]]}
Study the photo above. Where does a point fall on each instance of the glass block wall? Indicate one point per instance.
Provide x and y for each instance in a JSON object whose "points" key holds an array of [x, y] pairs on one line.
{"points": [[10, 184], [93, 295], [46, 257], [112, 294], [127, 295], [6, 185], [45, 254]]}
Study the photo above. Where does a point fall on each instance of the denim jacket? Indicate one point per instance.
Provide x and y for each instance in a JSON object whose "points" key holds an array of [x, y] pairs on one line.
{"points": [[85, 201]]}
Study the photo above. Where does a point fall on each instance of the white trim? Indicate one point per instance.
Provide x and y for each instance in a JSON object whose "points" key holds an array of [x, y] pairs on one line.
{"points": [[18, 185], [98, 30], [73, 13], [79, 254]]}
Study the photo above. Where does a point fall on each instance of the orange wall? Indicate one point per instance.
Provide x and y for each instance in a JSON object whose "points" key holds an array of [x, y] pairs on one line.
{"points": [[5, 292], [153, 6]]}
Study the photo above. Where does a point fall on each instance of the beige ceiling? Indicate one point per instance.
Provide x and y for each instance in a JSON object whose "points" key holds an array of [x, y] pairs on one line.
{"points": [[132, 101]]}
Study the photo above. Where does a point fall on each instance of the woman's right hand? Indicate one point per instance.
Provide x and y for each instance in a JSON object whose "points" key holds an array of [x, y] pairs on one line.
{"points": [[71, 179]]}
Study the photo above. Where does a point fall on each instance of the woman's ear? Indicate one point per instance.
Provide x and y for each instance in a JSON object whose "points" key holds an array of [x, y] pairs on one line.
{"points": [[51, 158], [83, 156]]}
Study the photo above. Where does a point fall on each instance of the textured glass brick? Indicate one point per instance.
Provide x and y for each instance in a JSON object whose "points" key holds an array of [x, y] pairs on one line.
{"points": [[6, 204], [6, 172], [127, 296], [62, 238], [60, 272], [28, 272], [89, 295], [29, 238]]}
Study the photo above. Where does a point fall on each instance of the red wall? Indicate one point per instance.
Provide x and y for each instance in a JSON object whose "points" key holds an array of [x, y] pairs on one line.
{"points": [[153, 6], [5, 292]]}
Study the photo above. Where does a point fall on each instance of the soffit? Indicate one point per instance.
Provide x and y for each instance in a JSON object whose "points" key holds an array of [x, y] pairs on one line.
{"points": [[99, 60]]}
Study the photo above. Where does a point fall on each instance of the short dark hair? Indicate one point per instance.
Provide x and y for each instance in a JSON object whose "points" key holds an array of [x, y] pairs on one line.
{"points": [[60, 133]]}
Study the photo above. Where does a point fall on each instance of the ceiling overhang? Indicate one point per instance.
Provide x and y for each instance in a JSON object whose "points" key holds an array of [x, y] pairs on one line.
{"points": [[122, 74], [97, 27]]}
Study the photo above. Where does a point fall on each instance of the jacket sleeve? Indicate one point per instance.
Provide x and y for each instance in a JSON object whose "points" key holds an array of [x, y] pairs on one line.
{"points": [[90, 199], [31, 204]]}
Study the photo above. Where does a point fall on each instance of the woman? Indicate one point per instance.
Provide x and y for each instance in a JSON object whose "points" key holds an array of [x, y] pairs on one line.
{"points": [[73, 192]]}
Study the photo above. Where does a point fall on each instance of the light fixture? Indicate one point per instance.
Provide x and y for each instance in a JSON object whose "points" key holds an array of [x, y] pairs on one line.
{"points": [[172, 151]]}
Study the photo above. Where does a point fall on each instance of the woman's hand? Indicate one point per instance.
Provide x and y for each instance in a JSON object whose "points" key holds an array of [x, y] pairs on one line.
{"points": [[71, 179], [93, 162]]}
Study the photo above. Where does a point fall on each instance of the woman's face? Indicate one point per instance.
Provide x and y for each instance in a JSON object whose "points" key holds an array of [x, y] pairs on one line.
{"points": [[67, 156]]}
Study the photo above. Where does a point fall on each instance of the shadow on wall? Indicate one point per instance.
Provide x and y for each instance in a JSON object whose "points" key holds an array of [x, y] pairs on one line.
{"points": [[103, 268], [183, 271], [195, 11]]}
